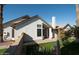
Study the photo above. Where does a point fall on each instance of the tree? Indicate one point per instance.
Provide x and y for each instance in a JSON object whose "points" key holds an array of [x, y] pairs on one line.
{"points": [[1, 23]]}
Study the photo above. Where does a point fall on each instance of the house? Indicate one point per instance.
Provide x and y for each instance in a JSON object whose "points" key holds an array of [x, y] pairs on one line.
{"points": [[67, 27], [62, 30], [34, 27]]}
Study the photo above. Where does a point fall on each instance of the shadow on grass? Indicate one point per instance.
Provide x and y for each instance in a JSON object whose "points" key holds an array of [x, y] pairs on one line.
{"points": [[35, 49], [11, 50]]}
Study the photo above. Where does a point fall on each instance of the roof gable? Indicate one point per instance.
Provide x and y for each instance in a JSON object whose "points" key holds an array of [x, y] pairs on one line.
{"points": [[24, 19], [67, 26]]}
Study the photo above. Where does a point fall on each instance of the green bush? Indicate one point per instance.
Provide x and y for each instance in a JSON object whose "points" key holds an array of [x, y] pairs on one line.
{"points": [[2, 51]]}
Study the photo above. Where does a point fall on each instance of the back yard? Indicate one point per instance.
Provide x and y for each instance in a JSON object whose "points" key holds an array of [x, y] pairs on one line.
{"points": [[67, 46]]}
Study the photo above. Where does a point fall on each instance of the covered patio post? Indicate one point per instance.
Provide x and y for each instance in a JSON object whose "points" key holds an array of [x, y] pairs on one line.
{"points": [[50, 33]]}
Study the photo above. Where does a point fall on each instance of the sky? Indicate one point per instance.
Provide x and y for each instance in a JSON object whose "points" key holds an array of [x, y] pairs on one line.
{"points": [[64, 13]]}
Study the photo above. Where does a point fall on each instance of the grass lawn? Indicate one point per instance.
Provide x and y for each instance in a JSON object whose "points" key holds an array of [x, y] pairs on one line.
{"points": [[2, 51], [68, 46], [44, 48], [48, 45]]}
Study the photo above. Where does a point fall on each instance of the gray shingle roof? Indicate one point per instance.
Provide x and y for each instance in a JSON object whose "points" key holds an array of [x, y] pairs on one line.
{"points": [[23, 19]]}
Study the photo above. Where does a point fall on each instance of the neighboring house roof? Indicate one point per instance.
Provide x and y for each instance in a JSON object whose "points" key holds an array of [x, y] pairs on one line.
{"points": [[64, 27], [24, 19], [67, 26]]}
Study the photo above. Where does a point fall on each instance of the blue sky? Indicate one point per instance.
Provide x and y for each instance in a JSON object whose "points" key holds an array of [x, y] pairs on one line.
{"points": [[64, 13]]}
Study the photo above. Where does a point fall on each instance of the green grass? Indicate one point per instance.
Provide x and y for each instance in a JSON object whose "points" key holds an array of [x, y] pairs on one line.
{"points": [[2, 51], [47, 48], [48, 45], [67, 46], [44, 48]]}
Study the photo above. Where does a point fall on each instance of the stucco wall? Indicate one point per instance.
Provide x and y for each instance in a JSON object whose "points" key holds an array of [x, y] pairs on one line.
{"points": [[29, 29], [7, 33]]}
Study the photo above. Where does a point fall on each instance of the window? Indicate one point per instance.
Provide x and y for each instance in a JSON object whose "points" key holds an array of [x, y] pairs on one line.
{"points": [[38, 26], [13, 32], [38, 32]]}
